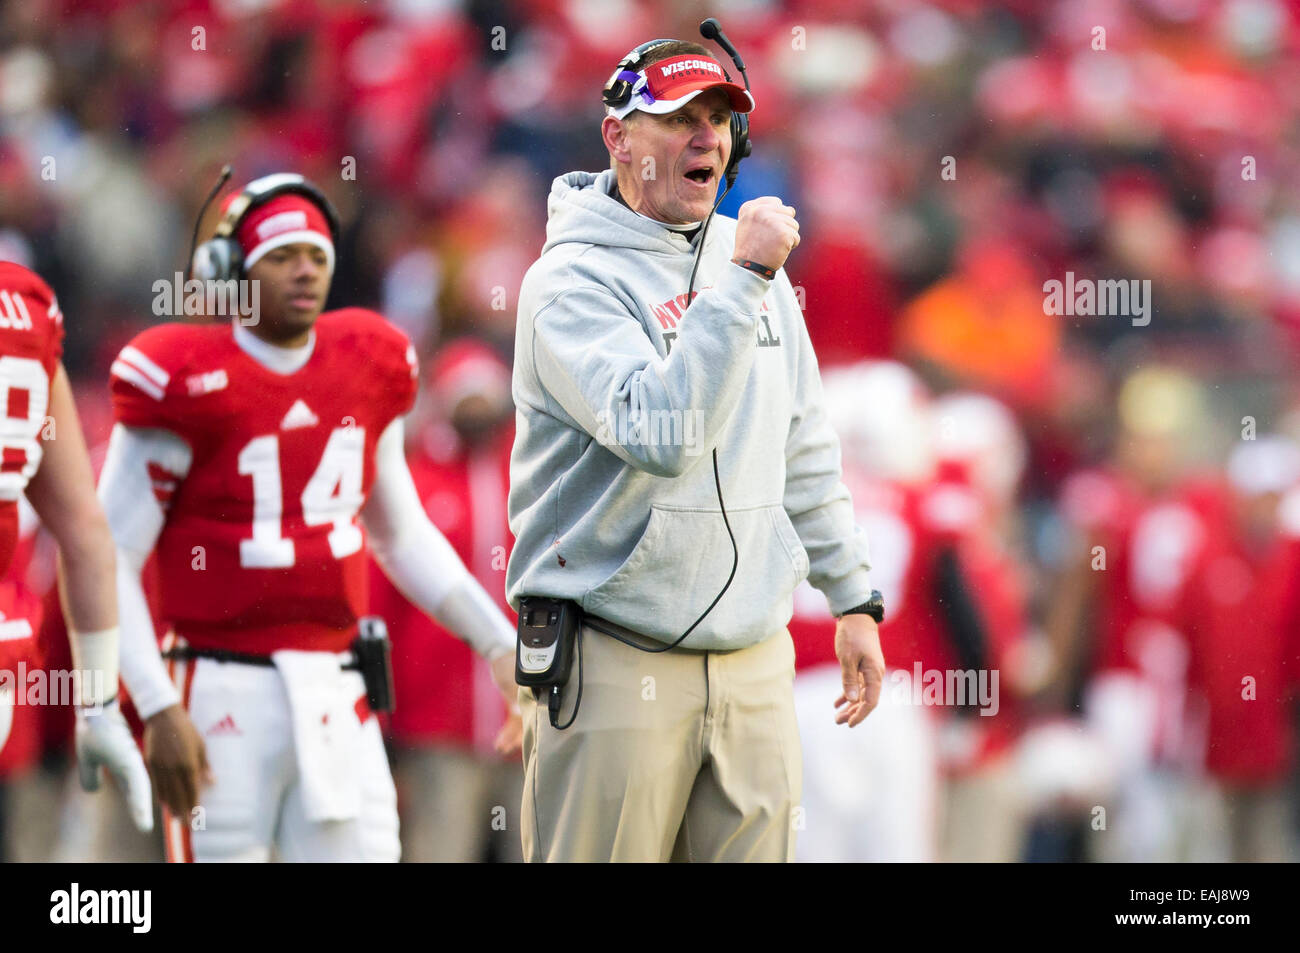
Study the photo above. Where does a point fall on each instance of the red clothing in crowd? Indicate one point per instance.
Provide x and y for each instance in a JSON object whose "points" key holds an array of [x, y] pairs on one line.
{"points": [[1241, 616], [1149, 546]]}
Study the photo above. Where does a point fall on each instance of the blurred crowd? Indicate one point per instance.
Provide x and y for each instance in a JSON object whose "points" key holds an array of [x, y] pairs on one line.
{"points": [[1102, 511]]}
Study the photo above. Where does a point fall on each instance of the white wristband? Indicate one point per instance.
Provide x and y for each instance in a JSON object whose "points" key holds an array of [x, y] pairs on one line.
{"points": [[95, 657]]}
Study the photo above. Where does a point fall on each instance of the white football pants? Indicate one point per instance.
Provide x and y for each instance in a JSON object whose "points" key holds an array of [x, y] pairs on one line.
{"points": [[255, 810]]}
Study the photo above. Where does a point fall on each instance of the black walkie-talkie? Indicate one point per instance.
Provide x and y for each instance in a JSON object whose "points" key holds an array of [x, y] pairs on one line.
{"points": [[544, 650], [374, 654]]}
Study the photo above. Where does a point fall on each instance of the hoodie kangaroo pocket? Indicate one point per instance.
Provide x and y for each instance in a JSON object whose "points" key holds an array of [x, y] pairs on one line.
{"points": [[683, 559]]}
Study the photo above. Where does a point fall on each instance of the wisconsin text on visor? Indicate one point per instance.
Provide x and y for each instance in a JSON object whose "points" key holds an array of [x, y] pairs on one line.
{"points": [[670, 84]]}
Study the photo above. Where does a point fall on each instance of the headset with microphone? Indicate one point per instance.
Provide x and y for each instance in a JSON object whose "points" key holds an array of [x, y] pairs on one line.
{"points": [[618, 91], [741, 146], [220, 258]]}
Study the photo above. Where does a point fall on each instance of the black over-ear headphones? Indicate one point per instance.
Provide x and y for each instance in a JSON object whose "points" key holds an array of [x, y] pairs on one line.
{"points": [[619, 90], [220, 258]]}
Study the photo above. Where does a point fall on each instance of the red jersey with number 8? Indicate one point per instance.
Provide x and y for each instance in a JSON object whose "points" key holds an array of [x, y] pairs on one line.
{"points": [[31, 345], [262, 549]]}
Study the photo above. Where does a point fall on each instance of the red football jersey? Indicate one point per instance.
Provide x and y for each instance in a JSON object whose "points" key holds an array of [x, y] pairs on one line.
{"points": [[31, 345], [1150, 545], [21, 612], [262, 549]]}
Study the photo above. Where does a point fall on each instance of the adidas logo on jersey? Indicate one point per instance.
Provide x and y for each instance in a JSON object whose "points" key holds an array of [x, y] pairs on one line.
{"points": [[299, 415], [226, 726]]}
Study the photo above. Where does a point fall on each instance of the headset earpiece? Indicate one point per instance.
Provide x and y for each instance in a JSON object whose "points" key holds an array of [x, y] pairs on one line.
{"points": [[740, 146], [217, 259]]}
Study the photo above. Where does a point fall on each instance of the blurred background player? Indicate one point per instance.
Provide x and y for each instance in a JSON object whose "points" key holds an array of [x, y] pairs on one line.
{"points": [[45, 458], [244, 454], [980, 456], [459, 799], [873, 794], [1241, 613], [1136, 530], [932, 484], [85, 828]]}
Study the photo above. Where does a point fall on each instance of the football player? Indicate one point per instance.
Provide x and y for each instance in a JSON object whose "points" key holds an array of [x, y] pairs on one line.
{"points": [[44, 455], [1135, 529], [248, 456]]}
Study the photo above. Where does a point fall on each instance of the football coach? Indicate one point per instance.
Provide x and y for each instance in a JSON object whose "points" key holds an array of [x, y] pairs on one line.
{"points": [[674, 472]]}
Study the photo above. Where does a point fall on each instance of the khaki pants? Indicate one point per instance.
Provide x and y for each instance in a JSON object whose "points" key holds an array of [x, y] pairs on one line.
{"points": [[682, 755]]}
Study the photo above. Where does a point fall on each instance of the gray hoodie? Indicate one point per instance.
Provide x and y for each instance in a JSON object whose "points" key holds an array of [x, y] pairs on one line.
{"points": [[621, 397]]}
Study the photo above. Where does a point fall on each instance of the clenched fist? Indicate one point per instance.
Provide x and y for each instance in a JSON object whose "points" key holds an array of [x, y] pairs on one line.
{"points": [[766, 232]]}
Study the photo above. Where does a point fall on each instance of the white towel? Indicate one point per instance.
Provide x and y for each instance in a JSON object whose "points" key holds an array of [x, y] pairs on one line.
{"points": [[326, 733]]}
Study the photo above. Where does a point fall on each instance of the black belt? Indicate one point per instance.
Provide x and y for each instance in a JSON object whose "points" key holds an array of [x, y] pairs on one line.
{"points": [[624, 634], [185, 653]]}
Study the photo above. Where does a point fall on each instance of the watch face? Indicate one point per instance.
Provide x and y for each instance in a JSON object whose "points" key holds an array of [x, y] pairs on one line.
{"points": [[876, 605]]}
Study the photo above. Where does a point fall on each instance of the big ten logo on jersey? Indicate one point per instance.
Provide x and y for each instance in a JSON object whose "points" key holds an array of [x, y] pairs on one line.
{"points": [[669, 313], [206, 383]]}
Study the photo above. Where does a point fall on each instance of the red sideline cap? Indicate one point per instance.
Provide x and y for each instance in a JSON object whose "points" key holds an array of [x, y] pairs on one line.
{"points": [[284, 220], [670, 84]]}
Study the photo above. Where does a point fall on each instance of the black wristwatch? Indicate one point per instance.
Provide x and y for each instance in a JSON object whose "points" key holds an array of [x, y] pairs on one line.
{"points": [[874, 607]]}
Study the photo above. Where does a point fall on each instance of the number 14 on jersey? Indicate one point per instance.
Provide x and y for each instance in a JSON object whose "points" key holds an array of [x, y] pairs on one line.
{"points": [[332, 496]]}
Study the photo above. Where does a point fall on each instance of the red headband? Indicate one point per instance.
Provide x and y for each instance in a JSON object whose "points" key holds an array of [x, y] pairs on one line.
{"points": [[284, 220]]}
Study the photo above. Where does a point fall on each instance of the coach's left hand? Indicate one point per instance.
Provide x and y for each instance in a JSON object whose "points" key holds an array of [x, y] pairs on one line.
{"points": [[862, 666]]}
